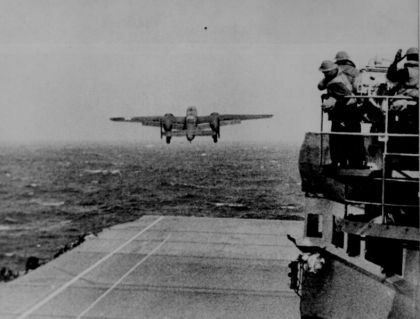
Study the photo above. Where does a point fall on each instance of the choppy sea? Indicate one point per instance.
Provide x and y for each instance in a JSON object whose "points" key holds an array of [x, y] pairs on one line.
{"points": [[51, 195]]}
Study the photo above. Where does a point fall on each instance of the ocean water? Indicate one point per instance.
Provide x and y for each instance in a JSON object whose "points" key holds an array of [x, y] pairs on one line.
{"points": [[51, 195]]}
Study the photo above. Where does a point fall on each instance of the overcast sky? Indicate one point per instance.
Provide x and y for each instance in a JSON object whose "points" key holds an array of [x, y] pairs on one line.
{"points": [[67, 66]]}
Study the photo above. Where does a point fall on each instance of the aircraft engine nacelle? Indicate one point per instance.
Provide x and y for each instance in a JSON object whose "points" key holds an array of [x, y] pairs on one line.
{"points": [[215, 123], [166, 126], [167, 123]]}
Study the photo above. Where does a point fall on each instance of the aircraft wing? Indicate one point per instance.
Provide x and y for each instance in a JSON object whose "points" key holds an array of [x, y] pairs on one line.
{"points": [[204, 133], [229, 119], [145, 120], [176, 133], [178, 122], [241, 117], [203, 125], [229, 122]]}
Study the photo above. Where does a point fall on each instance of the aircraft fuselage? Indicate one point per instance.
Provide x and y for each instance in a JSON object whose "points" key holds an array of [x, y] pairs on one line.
{"points": [[191, 122]]}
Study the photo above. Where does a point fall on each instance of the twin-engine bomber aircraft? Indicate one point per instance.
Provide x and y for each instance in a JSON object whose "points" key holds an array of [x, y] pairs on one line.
{"points": [[191, 125]]}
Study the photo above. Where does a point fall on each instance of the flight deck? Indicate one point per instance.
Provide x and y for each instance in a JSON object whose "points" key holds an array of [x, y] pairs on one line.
{"points": [[166, 267]]}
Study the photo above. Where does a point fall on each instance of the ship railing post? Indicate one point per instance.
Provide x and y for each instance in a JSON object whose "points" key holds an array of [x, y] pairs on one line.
{"points": [[384, 155]]}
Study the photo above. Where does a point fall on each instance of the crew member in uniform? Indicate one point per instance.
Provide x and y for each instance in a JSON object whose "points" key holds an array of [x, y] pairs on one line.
{"points": [[404, 114], [406, 82], [406, 78], [346, 151], [345, 66]]}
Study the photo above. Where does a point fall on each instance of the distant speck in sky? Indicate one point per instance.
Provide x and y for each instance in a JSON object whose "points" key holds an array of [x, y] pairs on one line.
{"points": [[205, 28]]}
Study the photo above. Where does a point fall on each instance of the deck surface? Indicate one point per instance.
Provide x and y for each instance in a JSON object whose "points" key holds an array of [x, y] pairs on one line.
{"points": [[165, 267]]}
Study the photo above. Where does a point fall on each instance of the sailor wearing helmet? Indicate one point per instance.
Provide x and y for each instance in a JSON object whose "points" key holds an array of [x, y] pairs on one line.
{"points": [[345, 66], [344, 115], [407, 78]]}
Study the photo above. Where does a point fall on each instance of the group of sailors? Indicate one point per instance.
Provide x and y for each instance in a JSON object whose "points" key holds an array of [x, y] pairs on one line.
{"points": [[346, 112]]}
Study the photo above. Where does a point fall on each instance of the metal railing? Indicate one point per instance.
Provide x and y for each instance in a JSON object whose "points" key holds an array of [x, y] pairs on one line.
{"points": [[383, 137]]}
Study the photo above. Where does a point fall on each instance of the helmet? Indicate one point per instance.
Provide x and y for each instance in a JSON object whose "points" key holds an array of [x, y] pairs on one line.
{"points": [[412, 50], [342, 55], [327, 65]]}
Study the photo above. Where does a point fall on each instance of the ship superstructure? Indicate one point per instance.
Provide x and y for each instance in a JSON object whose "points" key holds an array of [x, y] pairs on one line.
{"points": [[363, 221]]}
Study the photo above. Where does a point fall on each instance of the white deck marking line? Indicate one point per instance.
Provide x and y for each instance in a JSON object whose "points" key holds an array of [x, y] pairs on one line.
{"points": [[66, 285], [122, 278]]}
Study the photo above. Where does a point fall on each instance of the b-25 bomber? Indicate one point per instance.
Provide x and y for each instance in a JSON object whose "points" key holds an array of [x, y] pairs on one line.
{"points": [[191, 125]]}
